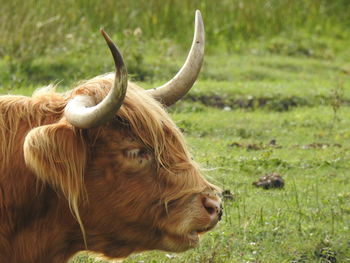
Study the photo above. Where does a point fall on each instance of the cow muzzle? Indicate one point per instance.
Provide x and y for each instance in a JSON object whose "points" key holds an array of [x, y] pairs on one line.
{"points": [[203, 213], [213, 207], [210, 209]]}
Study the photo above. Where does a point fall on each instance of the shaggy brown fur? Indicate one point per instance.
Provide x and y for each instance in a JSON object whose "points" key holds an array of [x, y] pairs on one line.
{"points": [[125, 187]]}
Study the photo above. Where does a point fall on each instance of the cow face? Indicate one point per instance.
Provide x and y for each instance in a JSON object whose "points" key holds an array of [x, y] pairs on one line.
{"points": [[132, 182], [143, 188]]}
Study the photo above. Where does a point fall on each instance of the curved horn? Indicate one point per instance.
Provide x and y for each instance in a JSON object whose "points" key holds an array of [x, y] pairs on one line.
{"points": [[82, 112], [178, 86]]}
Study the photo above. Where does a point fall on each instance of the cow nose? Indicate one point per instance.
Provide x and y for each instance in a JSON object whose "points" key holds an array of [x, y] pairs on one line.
{"points": [[213, 207]]}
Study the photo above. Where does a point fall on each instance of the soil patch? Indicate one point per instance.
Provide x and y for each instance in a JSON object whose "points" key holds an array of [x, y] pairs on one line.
{"points": [[268, 181], [273, 102]]}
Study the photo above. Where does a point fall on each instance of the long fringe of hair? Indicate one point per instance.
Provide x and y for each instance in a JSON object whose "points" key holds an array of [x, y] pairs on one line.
{"points": [[16, 111], [150, 123]]}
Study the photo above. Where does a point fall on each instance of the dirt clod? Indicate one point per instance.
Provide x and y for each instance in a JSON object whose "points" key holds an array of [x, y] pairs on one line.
{"points": [[227, 195], [256, 146], [268, 181], [326, 254]]}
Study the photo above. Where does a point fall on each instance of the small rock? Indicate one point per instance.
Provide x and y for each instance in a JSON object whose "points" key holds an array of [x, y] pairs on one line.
{"points": [[272, 142], [254, 147], [236, 144], [169, 256]]}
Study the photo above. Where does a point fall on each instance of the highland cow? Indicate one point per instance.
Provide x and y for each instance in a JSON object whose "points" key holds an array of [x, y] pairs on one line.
{"points": [[101, 168]]}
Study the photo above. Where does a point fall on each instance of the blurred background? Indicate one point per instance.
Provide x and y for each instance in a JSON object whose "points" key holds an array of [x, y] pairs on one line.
{"points": [[43, 41]]}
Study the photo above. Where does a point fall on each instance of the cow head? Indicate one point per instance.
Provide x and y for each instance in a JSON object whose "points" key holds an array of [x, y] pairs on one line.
{"points": [[123, 165]]}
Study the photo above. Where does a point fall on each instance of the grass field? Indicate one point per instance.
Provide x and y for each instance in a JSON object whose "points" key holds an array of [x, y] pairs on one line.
{"points": [[273, 97]]}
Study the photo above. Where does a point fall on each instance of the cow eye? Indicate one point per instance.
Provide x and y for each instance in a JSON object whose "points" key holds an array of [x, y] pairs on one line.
{"points": [[137, 153], [143, 153]]}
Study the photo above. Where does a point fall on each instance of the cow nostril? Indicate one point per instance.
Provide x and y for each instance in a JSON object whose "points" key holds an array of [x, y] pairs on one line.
{"points": [[221, 212], [211, 206], [210, 210], [220, 215]]}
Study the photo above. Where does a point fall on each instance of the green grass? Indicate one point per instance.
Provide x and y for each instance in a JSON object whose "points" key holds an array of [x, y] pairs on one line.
{"points": [[39, 43]]}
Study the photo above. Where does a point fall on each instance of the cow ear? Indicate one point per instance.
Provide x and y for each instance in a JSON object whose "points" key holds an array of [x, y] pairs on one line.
{"points": [[56, 153]]}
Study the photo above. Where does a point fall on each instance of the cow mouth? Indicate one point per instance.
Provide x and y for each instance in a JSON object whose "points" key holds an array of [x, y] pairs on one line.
{"points": [[182, 242], [199, 232], [192, 237]]}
